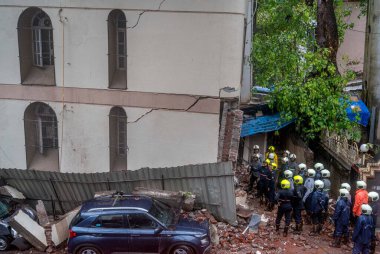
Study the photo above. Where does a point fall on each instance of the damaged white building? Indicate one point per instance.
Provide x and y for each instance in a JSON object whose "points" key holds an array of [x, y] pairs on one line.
{"points": [[97, 86]]}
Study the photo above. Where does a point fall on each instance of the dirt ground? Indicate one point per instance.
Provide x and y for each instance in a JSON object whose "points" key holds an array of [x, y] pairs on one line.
{"points": [[266, 240]]}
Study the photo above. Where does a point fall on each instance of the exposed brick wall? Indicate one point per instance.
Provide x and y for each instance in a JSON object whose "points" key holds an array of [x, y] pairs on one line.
{"points": [[229, 134]]}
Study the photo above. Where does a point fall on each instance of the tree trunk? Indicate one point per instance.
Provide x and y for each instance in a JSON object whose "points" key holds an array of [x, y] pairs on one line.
{"points": [[327, 28]]}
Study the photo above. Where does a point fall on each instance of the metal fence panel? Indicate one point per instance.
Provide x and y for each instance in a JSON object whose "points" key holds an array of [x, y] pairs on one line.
{"points": [[213, 185]]}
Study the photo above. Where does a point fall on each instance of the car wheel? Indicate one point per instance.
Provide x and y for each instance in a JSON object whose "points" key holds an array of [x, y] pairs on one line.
{"points": [[4, 243], [182, 249], [88, 250]]}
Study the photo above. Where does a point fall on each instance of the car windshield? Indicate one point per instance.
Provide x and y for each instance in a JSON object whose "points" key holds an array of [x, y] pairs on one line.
{"points": [[5, 208], [162, 212]]}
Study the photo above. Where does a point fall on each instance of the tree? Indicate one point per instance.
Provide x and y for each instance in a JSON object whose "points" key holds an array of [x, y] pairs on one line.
{"points": [[294, 52]]}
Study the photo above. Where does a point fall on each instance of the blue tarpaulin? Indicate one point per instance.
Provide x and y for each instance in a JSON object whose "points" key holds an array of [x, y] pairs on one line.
{"points": [[263, 124], [358, 108]]}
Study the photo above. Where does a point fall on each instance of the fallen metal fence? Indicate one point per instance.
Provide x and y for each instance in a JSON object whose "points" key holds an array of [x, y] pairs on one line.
{"points": [[213, 185]]}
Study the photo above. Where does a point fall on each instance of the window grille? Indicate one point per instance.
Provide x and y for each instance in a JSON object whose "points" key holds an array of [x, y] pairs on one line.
{"points": [[42, 39]]}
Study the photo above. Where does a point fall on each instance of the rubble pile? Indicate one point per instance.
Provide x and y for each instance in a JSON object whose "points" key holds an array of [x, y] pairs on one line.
{"points": [[230, 239]]}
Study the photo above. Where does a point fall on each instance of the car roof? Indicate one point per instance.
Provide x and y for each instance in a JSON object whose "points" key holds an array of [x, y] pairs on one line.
{"points": [[118, 201]]}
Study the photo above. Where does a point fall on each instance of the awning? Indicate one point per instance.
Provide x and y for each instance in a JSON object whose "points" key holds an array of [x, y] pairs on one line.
{"points": [[358, 112], [263, 124]]}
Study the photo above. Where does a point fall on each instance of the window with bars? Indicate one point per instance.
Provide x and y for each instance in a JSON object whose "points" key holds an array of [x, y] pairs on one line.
{"points": [[118, 139], [47, 128], [121, 41], [42, 40]]}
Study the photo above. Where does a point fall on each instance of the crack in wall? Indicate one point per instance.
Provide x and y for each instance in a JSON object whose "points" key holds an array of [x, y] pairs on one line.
{"points": [[141, 13], [198, 98]]}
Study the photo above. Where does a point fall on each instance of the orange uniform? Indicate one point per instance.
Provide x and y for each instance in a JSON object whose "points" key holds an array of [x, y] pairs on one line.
{"points": [[361, 197]]}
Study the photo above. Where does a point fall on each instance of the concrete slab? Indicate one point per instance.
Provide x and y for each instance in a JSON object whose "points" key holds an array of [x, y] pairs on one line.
{"points": [[7, 190], [29, 229], [60, 229]]}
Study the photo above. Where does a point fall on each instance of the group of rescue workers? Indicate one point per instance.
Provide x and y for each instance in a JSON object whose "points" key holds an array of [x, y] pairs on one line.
{"points": [[295, 188]]}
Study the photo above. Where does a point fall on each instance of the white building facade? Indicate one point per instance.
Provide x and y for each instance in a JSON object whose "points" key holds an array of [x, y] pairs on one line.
{"points": [[96, 86]]}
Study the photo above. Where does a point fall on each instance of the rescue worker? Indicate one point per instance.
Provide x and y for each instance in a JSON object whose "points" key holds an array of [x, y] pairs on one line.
{"points": [[341, 218], [271, 149], [271, 188], [297, 204], [284, 166], [288, 175], [318, 167], [256, 150], [286, 154], [319, 205], [361, 197], [373, 198], [363, 231], [326, 181], [284, 197], [302, 170], [293, 164], [347, 187], [254, 170], [263, 183], [309, 185]]}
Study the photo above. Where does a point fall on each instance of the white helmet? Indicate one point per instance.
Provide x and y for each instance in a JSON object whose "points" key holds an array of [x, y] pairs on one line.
{"points": [[361, 185], [310, 172], [287, 153], [318, 166], [373, 196], [319, 184], [288, 174], [344, 193], [292, 156], [271, 156], [325, 173], [256, 147], [346, 186], [284, 160], [366, 209], [302, 166]]}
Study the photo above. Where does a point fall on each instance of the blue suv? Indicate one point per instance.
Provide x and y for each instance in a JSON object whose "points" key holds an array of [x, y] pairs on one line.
{"points": [[135, 224]]}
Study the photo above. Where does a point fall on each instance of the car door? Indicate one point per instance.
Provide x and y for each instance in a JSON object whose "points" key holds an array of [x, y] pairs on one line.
{"points": [[142, 236], [108, 231]]}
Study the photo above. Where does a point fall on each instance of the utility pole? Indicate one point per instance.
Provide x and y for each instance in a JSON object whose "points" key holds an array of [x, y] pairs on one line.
{"points": [[371, 88]]}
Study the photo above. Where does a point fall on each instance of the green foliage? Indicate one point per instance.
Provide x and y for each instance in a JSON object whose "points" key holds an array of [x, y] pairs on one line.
{"points": [[307, 86]]}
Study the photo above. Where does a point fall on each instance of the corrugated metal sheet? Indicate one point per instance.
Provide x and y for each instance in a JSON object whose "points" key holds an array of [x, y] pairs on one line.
{"points": [[212, 183]]}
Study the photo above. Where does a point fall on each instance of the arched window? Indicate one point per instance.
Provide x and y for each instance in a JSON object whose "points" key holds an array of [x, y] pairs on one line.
{"points": [[117, 49], [36, 51], [42, 36], [121, 41], [118, 139], [41, 137]]}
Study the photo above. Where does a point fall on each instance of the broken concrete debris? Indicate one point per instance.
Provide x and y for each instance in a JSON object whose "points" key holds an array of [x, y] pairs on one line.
{"points": [[29, 229], [9, 191]]}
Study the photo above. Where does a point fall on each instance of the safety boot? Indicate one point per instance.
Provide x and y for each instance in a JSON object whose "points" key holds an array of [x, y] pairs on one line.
{"points": [[297, 230], [346, 239], [277, 227], [300, 226], [319, 229], [314, 230], [336, 242], [286, 229]]}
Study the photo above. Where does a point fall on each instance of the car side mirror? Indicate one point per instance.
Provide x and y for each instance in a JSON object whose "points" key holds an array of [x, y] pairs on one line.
{"points": [[158, 230]]}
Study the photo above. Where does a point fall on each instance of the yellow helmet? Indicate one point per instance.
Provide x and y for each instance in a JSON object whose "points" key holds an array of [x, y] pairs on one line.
{"points": [[285, 184], [298, 179], [274, 166], [271, 149]]}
